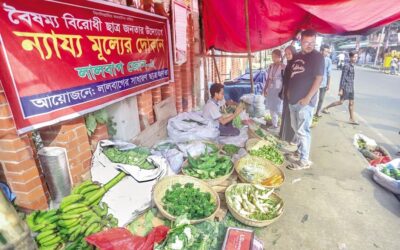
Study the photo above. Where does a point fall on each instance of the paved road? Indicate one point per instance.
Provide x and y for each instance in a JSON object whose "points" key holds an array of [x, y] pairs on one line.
{"points": [[377, 105]]}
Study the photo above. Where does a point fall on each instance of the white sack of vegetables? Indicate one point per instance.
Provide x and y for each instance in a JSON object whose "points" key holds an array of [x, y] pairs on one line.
{"points": [[124, 200], [388, 175], [191, 126], [137, 161]]}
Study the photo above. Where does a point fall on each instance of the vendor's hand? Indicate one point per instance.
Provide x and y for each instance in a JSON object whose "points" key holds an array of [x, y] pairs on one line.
{"points": [[304, 101], [340, 92], [327, 87], [238, 110], [265, 92]]}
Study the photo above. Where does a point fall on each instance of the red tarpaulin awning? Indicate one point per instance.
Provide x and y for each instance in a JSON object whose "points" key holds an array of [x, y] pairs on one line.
{"points": [[274, 22]]}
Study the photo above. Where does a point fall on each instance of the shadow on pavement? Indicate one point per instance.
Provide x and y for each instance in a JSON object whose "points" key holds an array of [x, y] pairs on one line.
{"points": [[383, 196]]}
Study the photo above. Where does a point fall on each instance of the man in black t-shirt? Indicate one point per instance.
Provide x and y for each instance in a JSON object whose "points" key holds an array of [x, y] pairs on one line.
{"points": [[305, 80]]}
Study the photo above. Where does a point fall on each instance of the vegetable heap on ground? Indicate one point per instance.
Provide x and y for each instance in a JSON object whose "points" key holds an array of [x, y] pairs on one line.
{"points": [[361, 144], [79, 215], [208, 166], [184, 236], [137, 156], [254, 202], [266, 136], [180, 200], [270, 153], [230, 149], [237, 122], [211, 147], [391, 172]]}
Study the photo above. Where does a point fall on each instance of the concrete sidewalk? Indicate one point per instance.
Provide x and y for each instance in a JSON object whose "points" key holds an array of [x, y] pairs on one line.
{"points": [[335, 204]]}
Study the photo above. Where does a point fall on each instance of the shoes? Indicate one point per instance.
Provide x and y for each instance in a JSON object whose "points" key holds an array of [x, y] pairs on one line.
{"points": [[300, 165], [318, 115], [293, 156]]}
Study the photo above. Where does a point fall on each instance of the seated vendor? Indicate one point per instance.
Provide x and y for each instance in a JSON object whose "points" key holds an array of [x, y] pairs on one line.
{"points": [[211, 111]]}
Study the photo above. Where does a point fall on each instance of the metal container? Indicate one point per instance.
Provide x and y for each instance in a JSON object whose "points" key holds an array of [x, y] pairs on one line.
{"points": [[14, 233], [55, 167]]}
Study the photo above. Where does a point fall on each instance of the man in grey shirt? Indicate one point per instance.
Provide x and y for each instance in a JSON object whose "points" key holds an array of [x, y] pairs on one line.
{"points": [[211, 111], [307, 71]]}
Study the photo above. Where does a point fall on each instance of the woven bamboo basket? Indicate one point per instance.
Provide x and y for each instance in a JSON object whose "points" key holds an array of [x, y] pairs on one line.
{"points": [[269, 169], [255, 143], [211, 142], [165, 183], [211, 182], [248, 221], [252, 134]]}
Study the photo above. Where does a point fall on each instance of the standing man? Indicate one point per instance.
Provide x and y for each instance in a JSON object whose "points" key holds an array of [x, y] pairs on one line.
{"points": [[307, 71], [346, 89], [326, 80]]}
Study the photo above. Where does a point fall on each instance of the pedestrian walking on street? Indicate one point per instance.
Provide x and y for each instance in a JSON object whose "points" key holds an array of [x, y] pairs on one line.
{"points": [[286, 132], [307, 69], [346, 89], [326, 80], [393, 65], [273, 86]]}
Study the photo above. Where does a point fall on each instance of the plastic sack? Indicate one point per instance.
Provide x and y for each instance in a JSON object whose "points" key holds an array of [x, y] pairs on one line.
{"points": [[174, 158], [121, 238], [370, 143], [136, 172], [7, 192], [386, 181], [256, 105], [194, 148], [239, 140], [123, 203], [191, 126], [380, 160], [169, 150]]}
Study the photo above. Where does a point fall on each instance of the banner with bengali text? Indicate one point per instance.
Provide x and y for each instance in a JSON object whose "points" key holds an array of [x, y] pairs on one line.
{"points": [[62, 59]]}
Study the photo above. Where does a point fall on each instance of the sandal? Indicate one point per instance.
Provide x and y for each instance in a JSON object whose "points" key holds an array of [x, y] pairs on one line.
{"points": [[325, 111], [354, 123]]}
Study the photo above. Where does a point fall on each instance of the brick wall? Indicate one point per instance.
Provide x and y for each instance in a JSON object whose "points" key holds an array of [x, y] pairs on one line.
{"points": [[19, 168], [101, 133], [18, 160]]}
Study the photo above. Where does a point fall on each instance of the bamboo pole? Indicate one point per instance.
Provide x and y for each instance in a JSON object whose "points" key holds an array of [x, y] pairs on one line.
{"points": [[229, 56], [381, 38], [215, 65], [203, 52], [246, 13]]}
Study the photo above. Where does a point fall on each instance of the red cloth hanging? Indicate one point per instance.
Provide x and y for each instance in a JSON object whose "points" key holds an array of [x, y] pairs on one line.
{"points": [[274, 22]]}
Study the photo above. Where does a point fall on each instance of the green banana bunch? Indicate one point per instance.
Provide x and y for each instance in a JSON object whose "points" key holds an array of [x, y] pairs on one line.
{"points": [[80, 214]]}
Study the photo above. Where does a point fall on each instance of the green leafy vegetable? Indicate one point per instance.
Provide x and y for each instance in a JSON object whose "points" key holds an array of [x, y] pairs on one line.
{"points": [[99, 117], [230, 149], [208, 166], [191, 237], [137, 156], [270, 153], [91, 124], [180, 200], [237, 122]]}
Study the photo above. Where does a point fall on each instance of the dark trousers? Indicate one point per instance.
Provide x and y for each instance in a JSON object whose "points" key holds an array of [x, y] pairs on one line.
{"points": [[322, 92], [228, 130]]}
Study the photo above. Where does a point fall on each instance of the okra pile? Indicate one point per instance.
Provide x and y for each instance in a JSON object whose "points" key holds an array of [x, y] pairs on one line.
{"points": [[208, 166]]}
